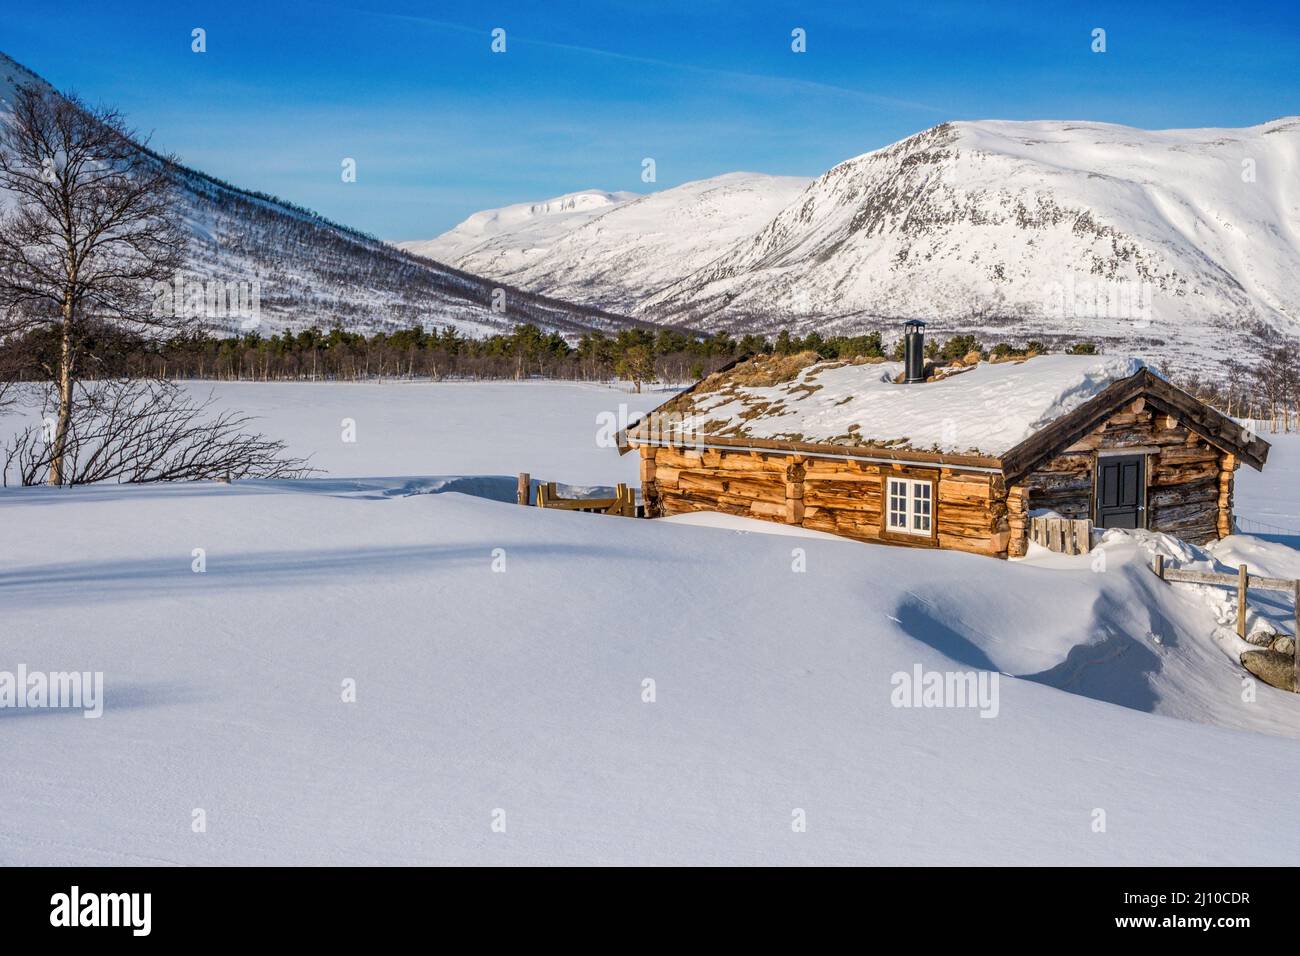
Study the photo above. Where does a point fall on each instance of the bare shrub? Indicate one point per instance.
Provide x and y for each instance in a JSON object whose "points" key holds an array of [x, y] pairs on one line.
{"points": [[132, 431]]}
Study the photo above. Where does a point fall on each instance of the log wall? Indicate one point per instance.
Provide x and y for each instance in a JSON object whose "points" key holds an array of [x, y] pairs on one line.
{"points": [[841, 497], [1189, 481], [1188, 494]]}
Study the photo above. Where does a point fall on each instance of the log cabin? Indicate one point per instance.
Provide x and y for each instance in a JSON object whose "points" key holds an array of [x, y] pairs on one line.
{"points": [[955, 457]]}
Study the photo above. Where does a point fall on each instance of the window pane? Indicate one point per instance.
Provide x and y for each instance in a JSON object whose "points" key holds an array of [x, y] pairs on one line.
{"points": [[921, 507], [897, 504]]}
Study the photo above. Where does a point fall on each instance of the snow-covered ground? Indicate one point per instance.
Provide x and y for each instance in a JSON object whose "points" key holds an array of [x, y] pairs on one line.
{"points": [[500, 657]]}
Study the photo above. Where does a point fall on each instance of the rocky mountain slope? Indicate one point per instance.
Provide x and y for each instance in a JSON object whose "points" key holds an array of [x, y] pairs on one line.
{"points": [[306, 270], [1171, 242], [1174, 244]]}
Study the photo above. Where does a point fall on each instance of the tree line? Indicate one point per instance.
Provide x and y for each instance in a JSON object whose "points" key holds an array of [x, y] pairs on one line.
{"points": [[1266, 390], [636, 355]]}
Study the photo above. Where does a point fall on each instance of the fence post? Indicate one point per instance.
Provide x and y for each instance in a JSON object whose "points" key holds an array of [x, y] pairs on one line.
{"points": [[525, 486], [1243, 577], [1159, 567]]}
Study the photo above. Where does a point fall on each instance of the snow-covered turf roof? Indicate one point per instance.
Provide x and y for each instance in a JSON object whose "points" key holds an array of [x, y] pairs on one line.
{"points": [[986, 409]]}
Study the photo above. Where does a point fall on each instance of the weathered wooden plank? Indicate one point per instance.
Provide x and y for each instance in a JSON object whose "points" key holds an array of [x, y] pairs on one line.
{"points": [[1200, 493], [1243, 589], [1193, 511], [1258, 582], [1190, 454], [993, 546]]}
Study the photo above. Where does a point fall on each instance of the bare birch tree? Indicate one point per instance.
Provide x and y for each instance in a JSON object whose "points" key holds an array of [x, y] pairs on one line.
{"points": [[92, 226]]}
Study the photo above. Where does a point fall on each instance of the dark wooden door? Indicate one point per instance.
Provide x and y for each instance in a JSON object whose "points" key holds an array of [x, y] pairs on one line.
{"points": [[1121, 492]]}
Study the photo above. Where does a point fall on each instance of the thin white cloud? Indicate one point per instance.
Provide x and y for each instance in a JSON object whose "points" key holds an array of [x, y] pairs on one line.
{"points": [[790, 83]]}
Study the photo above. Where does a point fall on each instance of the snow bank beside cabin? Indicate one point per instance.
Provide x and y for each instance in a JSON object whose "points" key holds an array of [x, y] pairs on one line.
{"points": [[986, 409], [1268, 613], [500, 655], [522, 689]]}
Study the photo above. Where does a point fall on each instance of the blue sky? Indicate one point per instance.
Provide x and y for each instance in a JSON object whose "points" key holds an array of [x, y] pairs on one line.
{"points": [[440, 126]]}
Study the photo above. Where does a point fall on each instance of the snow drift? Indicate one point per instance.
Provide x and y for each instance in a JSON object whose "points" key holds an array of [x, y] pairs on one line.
{"points": [[500, 655]]}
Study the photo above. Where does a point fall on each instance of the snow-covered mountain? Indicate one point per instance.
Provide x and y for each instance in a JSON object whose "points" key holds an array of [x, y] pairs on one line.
{"points": [[510, 238], [618, 251], [1173, 244], [310, 271]]}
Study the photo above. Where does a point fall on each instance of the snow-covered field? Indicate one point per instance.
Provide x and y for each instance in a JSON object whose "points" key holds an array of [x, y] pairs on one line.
{"points": [[500, 657]]}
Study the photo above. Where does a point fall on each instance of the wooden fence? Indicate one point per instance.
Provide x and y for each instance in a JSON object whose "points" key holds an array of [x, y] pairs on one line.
{"points": [[623, 503], [1243, 581], [1063, 535]]}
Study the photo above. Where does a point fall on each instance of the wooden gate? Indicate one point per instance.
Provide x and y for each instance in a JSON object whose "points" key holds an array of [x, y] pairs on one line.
{"points": [[623, 503], [1063, 535]]}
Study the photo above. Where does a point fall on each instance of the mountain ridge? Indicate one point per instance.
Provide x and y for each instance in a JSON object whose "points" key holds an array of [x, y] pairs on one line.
{"points": [[1168, 243], [312, 271]]}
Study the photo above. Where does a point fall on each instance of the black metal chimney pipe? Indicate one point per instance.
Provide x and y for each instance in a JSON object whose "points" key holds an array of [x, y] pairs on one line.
{"points": [[914, 351]]}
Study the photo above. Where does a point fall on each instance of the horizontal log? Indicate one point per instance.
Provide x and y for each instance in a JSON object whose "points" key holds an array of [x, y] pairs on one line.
{"points": [[1062, 484], [971, 519], [1175, 495], [904, 456], [829, 486], [837, 503], [766, 466], [1122, 420], [1179, 476], [951, 489], [695, 481], [1187, 454], [1172, 514], [1068, 464], [992, 546], [759, 490], [847, 516], [1229, 580], [1169, 523], [729, 483], [967, 531], [677, 459], [677, 504]]}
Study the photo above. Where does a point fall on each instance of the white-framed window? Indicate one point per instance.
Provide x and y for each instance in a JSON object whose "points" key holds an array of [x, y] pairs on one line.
{"points": [[909, 506]]}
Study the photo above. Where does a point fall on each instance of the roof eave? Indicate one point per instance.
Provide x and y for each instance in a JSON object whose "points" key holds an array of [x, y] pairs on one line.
{"points": [[900, 456], [1208, 423]]}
